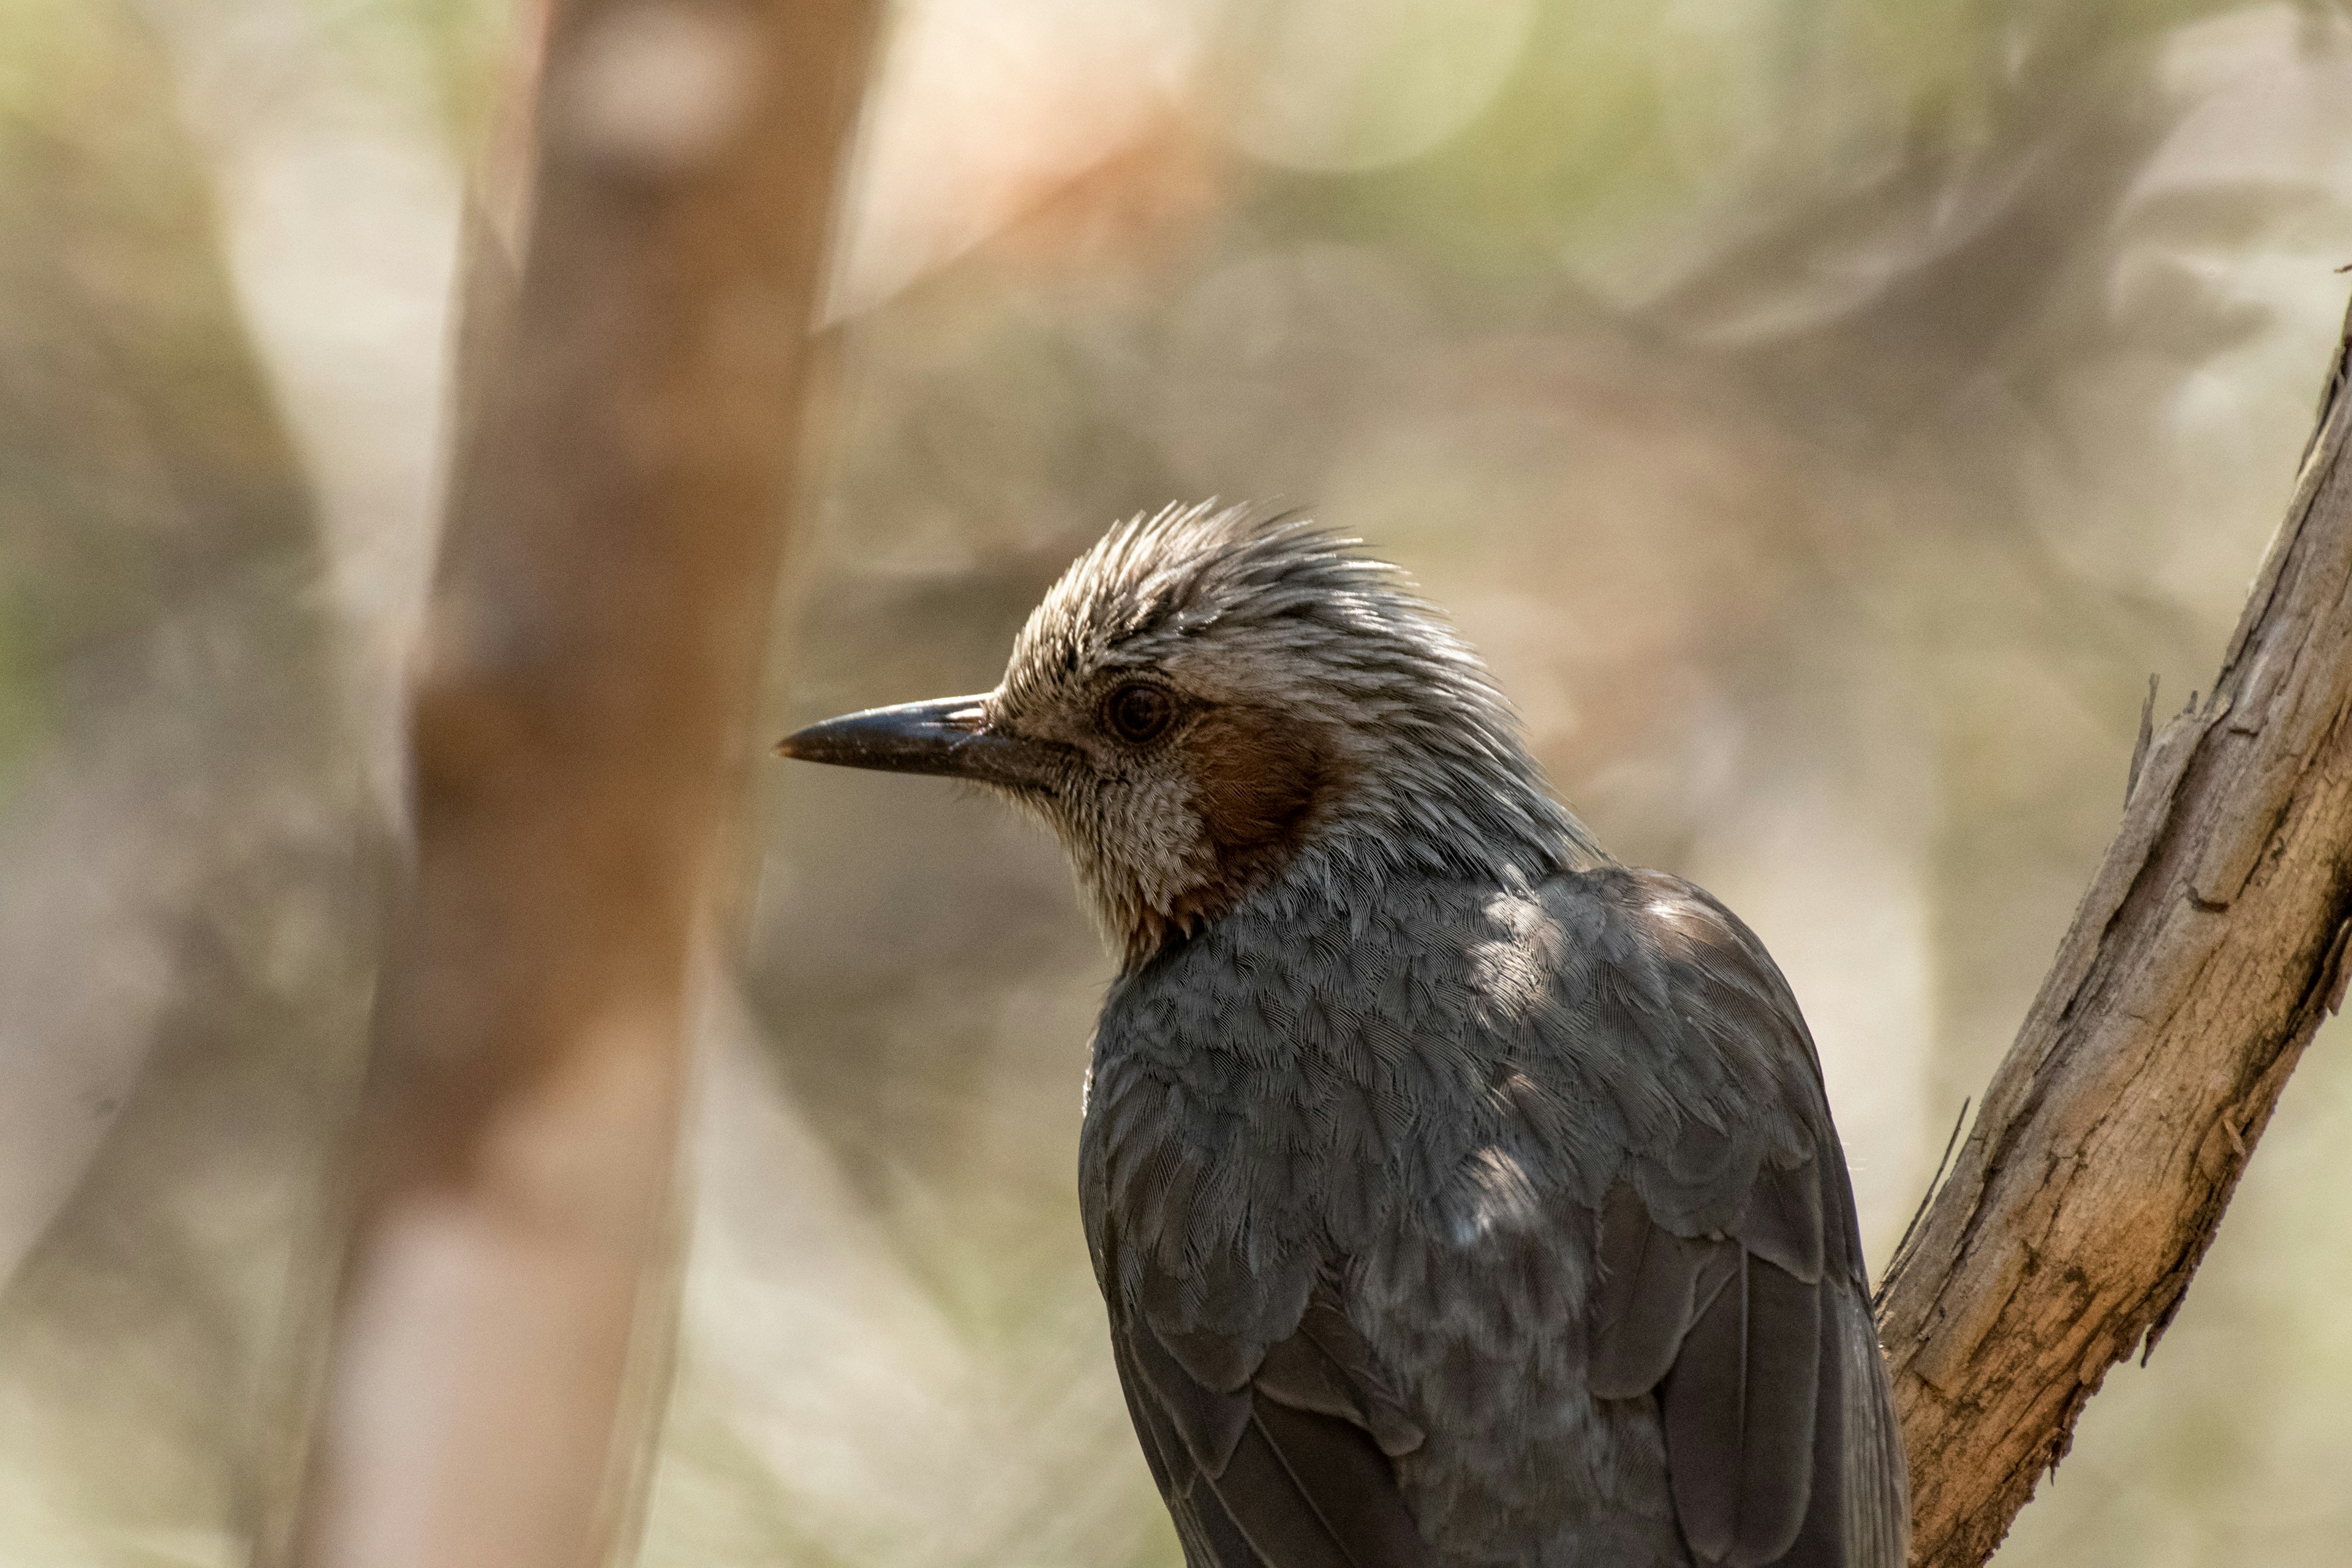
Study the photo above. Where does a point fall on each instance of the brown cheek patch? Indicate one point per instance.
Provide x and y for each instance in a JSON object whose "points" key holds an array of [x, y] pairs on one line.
{"points": [[1256, 779]]}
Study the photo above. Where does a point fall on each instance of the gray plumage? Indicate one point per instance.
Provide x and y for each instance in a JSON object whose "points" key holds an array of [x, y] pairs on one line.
{"points": [[1459, 1197]]}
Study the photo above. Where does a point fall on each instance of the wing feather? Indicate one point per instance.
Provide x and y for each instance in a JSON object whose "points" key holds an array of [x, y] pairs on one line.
{"points": [[1701, 1401], [1756, 1337], [1290, 1468], [1347, 1481], [1649, 1296]]}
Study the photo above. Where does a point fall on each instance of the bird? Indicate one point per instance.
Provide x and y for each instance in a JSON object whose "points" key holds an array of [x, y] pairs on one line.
{"points": [[1459, 1195]]}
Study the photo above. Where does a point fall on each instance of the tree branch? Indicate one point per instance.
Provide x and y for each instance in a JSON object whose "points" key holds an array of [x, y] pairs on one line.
{"points": [[578, 732], [2202, 959]]}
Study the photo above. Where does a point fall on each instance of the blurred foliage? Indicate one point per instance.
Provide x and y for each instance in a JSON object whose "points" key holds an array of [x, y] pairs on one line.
{"points": [[180, 848], [1824, 416], [115, 484]]}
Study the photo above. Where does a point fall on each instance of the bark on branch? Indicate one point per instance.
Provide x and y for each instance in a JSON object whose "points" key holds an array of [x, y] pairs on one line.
{"points": [[2199, 965], [578, 740]]}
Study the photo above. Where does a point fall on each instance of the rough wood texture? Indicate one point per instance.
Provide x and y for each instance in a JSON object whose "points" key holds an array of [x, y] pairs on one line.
{"points": [[2197, 967], [578, 740]]}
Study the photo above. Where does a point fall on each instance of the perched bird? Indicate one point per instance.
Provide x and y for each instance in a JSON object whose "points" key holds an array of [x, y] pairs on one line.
{"points": [[1460, 1196]]}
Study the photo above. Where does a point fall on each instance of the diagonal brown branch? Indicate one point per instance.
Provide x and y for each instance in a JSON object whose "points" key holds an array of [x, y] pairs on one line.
{"points": [[577, 730], [2200, 962]]}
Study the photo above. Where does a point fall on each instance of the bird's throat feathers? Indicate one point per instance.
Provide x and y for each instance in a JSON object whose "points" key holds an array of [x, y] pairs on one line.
{"points": [[1296, 812]]}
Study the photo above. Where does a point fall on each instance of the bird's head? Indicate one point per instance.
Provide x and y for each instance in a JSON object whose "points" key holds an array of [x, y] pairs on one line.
{"points": [[1209, 702]]}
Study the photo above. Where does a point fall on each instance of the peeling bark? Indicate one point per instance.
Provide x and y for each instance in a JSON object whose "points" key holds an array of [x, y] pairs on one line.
{"points": [[2210, 946]]}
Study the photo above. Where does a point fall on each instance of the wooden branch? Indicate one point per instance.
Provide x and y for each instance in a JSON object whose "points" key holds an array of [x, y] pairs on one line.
{"points": [[2200, 962], [578, 733]]}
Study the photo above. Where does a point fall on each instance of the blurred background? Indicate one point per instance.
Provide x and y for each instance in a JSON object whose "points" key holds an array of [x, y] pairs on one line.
{"points": [[1825, 414]]}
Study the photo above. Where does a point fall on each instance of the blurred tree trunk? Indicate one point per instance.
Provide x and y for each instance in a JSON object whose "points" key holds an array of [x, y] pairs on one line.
{"points": [[577, 728], [2199, 965]]}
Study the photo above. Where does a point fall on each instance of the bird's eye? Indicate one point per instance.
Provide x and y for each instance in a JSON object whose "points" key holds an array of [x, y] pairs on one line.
{"points": [[1140, 712]]}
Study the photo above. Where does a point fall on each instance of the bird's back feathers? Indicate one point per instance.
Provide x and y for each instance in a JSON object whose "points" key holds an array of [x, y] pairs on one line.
{"points": [[1513, 1211]]}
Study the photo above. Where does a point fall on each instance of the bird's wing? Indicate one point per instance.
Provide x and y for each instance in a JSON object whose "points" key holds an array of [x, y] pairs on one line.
{"points": [[1273, 1456], [1733, 1288], [1261, 1408]]}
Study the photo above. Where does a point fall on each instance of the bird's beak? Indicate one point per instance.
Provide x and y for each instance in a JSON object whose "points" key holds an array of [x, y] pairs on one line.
{"points": [[950, 736]]}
